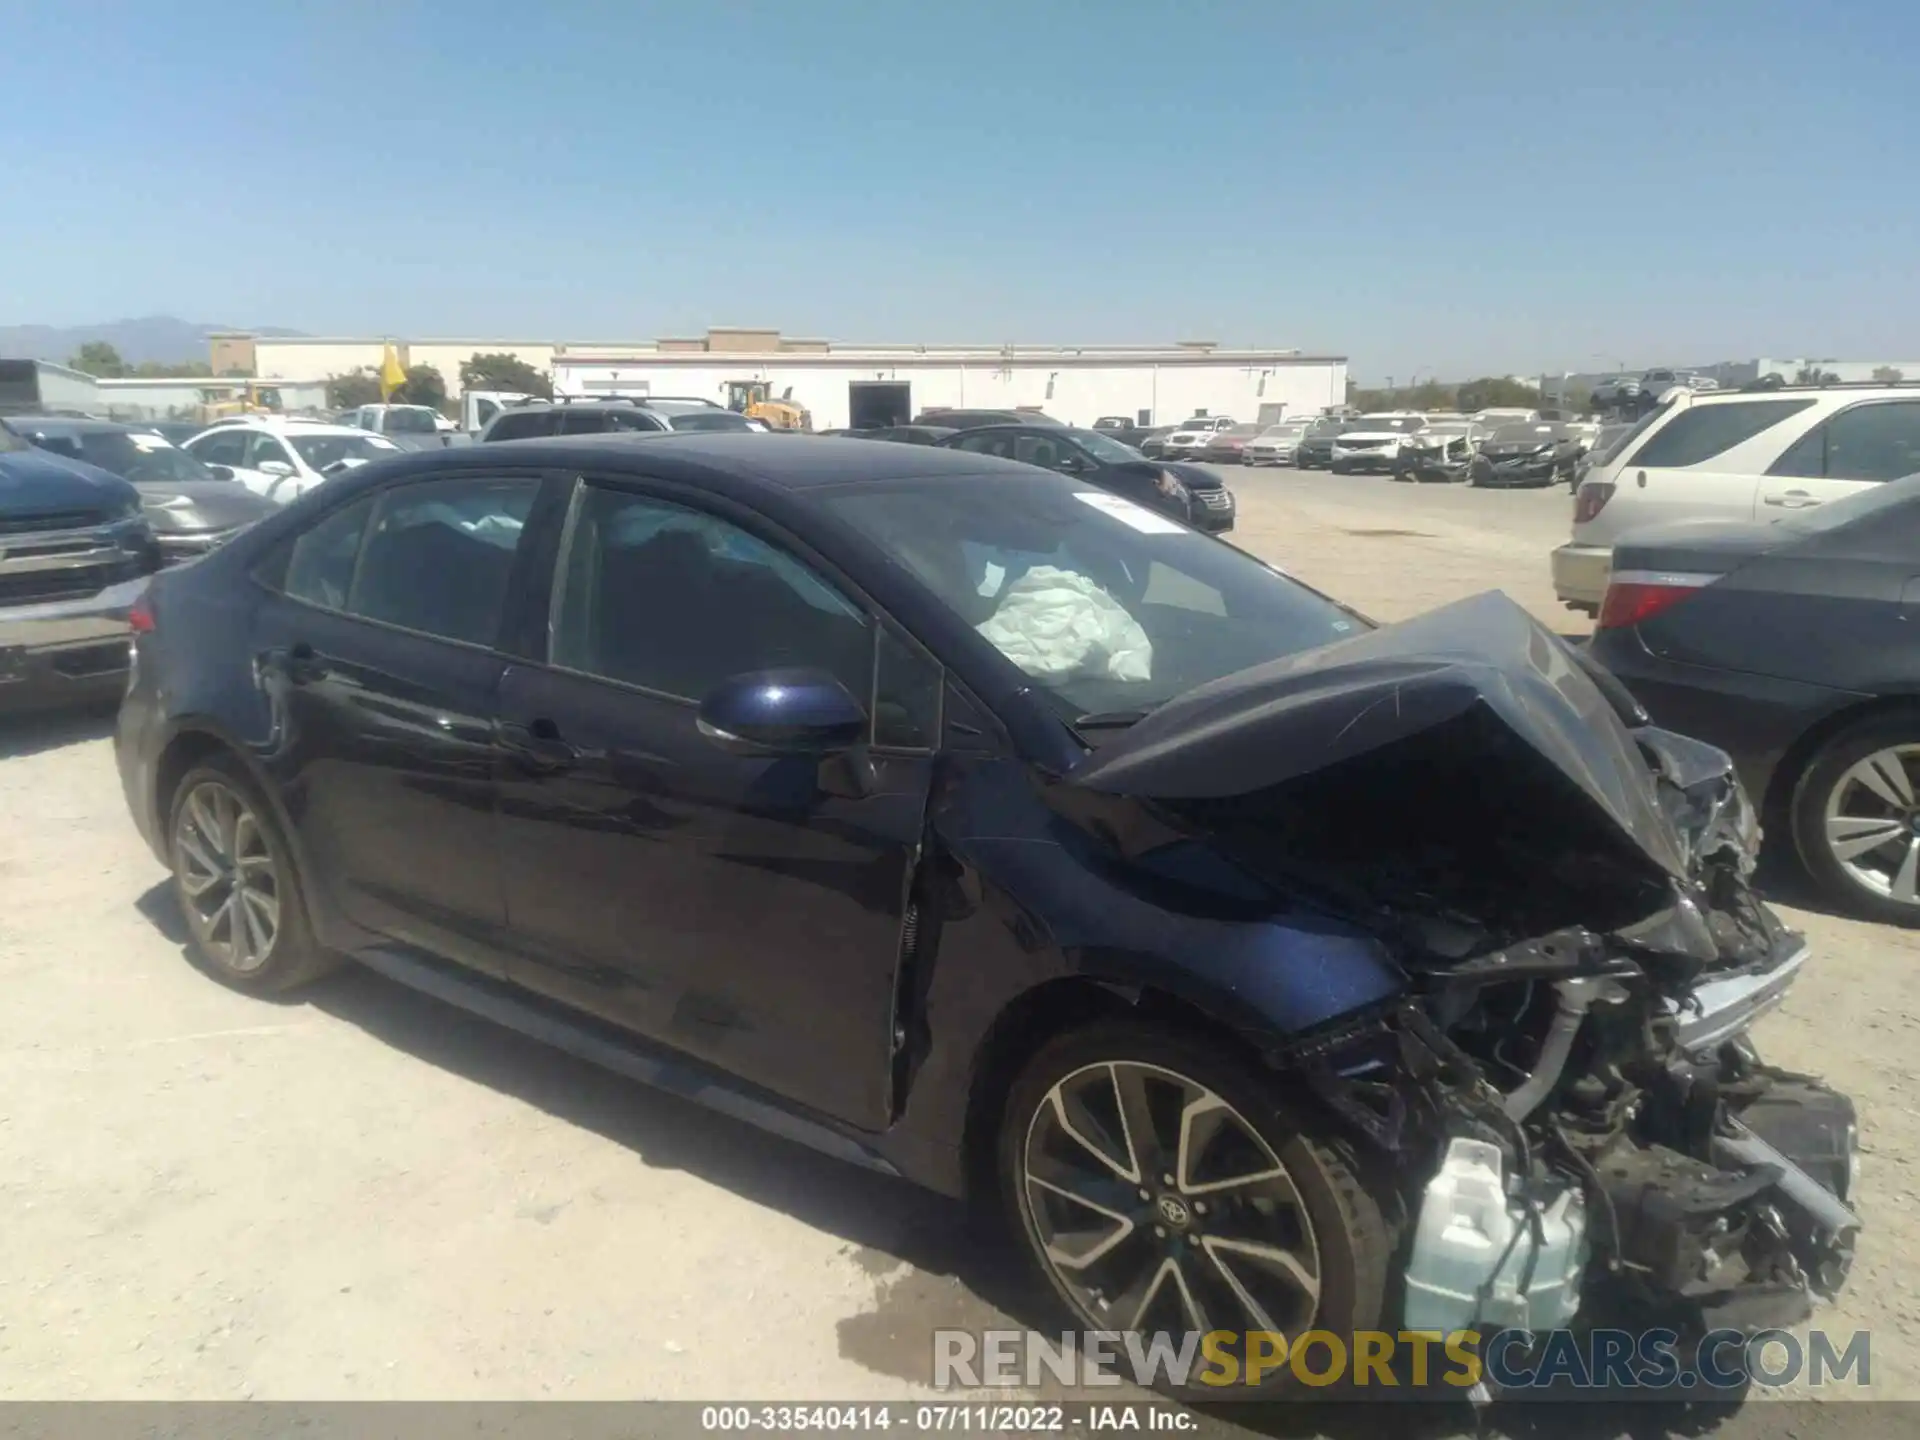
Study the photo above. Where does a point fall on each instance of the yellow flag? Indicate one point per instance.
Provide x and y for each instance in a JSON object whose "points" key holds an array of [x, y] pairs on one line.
{"points": [[392, 373]]}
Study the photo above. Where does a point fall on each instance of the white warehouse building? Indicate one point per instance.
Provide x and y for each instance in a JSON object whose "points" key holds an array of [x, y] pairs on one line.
{"points": [[843, 384]]}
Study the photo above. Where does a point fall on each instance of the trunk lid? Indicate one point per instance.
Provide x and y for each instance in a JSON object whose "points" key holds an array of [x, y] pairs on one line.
{"points": [[1710, 547]]}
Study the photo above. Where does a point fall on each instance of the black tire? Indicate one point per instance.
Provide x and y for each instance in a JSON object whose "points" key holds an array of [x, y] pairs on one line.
{"points": [[1827, 773], [219, 824], [1352, 1241]]}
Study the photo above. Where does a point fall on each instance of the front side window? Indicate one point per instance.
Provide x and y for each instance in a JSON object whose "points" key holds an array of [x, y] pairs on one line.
{"points": [[221, 447], [320, 571], [635, 420], [261, 449], [989, 443], [676, 600], [1698, 434], [1041, 451], [1867, 442], [437, 557]]}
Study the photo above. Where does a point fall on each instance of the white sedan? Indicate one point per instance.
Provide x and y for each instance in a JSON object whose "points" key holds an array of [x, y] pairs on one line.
{"points": [[286, 460]]}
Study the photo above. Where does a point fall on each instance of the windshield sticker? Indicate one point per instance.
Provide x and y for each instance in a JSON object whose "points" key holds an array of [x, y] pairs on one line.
{"points": [[145, 443], [1128, 513]]}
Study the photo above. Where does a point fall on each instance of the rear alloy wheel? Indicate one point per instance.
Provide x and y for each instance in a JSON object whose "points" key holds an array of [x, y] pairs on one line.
{"points": [[234, 880], [1856, 819], [1160, 1188]]}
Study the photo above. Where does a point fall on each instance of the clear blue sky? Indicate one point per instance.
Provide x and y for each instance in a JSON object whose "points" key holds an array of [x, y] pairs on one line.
{"points": [[1462, 186]]}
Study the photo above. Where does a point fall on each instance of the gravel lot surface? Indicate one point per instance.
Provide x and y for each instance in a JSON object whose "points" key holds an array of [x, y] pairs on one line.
{"points": [[365, 1194]]}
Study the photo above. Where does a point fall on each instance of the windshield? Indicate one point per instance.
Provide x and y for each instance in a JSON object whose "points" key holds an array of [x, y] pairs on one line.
{"points": [[1196, 424], [411, 420], [320, 451], [1525, 434], [1105, 449], [1386, 422], [711, 420], [1105, 604], [140, 457]]}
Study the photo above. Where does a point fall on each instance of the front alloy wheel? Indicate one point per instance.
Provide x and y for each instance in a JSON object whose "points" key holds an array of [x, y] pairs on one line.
{"points": [[228, 882], [1158, 1207], [1872, 824], [1163, 1189], [1856, 818]]}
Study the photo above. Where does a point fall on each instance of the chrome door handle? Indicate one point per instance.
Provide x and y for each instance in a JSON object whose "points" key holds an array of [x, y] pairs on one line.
{"points": [[1791, 500]]}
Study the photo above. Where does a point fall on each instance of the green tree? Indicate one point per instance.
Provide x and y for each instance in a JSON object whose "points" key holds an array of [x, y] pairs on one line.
{"points": [[1814, 375], [185, 370], [425, 386], [1887, 375], [355, 388], [1496, 391], [504, 372], [99, 359]]}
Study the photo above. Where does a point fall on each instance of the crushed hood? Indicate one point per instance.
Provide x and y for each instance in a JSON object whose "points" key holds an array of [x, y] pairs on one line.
{"points": [[1481, 667]]}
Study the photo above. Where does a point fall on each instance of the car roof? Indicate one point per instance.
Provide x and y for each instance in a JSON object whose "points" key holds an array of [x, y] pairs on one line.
{"points": [[740, 461], [73, 425], [289, 425]]}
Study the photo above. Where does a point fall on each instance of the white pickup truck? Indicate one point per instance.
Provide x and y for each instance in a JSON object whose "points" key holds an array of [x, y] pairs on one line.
{"points": [[411, 427]]}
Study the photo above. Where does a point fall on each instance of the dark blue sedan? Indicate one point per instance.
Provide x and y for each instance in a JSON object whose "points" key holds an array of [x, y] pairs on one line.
{"points": [[983, 826]]}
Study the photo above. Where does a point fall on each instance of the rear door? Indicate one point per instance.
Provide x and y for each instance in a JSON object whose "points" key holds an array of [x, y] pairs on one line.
{"points": [[1864, 444], [376, 654]]}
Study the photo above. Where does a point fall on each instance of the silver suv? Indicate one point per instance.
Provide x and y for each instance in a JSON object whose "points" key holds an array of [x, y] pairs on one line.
{"points": [[1754, 454]]}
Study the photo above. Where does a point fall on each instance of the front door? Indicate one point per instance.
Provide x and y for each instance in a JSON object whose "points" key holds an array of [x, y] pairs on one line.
{"points": [[377, 660], [747, 911], [1865, 444]]}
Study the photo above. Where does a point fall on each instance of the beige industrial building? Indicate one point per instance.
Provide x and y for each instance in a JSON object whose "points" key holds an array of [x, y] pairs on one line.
{"points": [[844, 384]]}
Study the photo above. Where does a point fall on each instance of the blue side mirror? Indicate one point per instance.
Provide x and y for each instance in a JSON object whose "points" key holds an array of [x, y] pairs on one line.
{"points": [[783, 712]]}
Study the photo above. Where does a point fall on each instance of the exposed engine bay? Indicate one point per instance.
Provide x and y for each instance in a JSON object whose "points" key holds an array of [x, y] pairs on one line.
{"points": [[1566, 1089]]}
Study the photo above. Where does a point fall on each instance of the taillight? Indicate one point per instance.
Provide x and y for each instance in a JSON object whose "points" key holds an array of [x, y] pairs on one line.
{"points": [[1635, 596], [140, 615], [1591, 500]]}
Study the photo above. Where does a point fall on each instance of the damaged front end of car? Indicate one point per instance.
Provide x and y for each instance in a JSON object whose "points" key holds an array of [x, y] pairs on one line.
{"points": [[1566, 1086]]}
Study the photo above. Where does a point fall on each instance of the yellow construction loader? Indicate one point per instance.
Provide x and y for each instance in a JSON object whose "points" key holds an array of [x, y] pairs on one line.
{"points": [[751, 399]]}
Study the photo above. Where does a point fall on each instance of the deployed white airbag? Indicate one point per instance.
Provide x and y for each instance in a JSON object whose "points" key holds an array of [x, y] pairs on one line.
{"points": [[1056, 624]]}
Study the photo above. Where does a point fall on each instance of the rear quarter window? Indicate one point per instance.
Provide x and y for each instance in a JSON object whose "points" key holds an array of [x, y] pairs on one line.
{"points": [[1704, 431]]}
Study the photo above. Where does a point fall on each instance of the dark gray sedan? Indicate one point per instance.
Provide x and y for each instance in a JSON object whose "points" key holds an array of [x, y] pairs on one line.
{"points": [[1542, 452], [1791, 646]]}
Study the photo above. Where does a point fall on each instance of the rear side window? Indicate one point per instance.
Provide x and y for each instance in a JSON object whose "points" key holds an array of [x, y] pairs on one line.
{"points": [[437, 556], [522, 425], [585, 422], [1867, 442], [1704, 431]]}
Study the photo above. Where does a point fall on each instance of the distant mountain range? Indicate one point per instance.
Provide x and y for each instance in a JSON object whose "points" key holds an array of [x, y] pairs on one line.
{"points": [[161, 338]]}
